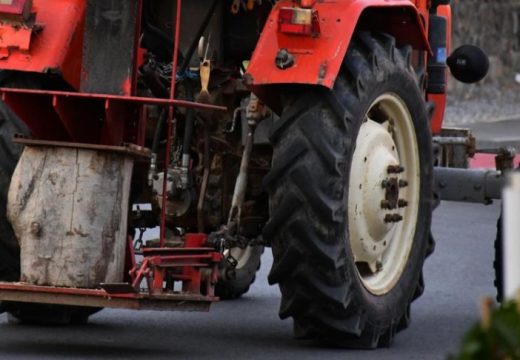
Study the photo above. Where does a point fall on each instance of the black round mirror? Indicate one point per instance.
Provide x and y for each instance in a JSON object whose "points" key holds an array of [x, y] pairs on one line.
{"points": [[468, 64]]}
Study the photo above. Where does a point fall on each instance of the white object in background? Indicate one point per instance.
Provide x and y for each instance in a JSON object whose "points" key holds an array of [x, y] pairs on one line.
{"points": [[511, 237]]}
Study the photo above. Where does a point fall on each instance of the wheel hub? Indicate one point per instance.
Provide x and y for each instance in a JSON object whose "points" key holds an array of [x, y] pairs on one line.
{"points": [[382, 205], [377, 194]]}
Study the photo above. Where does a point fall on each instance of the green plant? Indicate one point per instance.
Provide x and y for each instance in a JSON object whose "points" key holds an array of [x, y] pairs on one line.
{"points": [[497, 336]]}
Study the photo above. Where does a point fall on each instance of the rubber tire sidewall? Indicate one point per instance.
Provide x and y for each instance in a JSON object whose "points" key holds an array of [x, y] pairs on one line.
{"points": [[233, 288]]}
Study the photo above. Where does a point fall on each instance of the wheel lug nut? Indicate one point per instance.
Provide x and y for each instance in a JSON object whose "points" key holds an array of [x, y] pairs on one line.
{"points": [[393, 218], [379, 266], [387, 205], [402, 203], [395, 169], [403, 183]]}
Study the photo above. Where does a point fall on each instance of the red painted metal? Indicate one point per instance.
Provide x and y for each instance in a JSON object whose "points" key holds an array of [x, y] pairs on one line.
{"points": [[21, 292], [15, 8], [488, 161], [440, 99], [128, 99], [15, 31], [307, 3], [318, 59], [56, 43], [195, 240], [169, 139], [14, 37], [194, 265], [71, 68], [103, 119]]}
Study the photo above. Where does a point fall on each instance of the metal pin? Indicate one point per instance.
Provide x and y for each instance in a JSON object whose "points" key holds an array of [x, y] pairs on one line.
{"points": [[395, 169]]}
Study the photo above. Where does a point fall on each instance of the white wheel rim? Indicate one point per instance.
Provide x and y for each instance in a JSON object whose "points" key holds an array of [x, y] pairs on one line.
{"points": [[379, 240]]}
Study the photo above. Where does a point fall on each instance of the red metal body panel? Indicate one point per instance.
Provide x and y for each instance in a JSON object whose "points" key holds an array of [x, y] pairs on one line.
{"points": [[16, 8], [12, 37], [440, 99], [318, 59], [56, 44]]}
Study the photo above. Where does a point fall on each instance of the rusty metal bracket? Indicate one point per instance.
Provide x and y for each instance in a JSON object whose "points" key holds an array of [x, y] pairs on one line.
{"points": [[21, 292], [125, 149], [455, 146]]}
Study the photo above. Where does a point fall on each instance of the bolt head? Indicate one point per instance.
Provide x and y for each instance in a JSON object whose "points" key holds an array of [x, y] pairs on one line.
{"points": [[402, 203], [393, 218], [385, 204]]}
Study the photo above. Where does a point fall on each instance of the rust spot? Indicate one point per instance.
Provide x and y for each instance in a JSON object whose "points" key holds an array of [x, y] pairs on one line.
{"points": [[322, 72]]}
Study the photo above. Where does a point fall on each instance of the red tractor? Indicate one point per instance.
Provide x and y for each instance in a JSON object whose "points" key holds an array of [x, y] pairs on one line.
{"points": [[231, 125]]}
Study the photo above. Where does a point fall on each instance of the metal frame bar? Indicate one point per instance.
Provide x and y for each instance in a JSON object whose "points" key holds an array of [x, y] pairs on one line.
{"points": [[171, 129], [125, 99], [20, 292]]}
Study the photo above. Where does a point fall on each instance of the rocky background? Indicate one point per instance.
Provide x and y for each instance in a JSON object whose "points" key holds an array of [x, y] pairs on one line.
{"points": [[493, 25]]}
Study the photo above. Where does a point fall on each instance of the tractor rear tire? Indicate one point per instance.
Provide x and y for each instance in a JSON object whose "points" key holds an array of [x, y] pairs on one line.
{"points": [[234, 286], [331, 292], [10, 152]]}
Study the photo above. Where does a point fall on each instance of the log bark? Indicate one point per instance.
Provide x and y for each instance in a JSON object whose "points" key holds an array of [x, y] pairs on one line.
{"points": [[69, 209]]}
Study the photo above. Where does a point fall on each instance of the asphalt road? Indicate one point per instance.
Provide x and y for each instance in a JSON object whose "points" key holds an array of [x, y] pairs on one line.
{"points": [[457, 276]]}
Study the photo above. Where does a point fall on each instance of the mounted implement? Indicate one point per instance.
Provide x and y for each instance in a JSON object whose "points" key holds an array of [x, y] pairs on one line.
{"points": [[228, 126]]}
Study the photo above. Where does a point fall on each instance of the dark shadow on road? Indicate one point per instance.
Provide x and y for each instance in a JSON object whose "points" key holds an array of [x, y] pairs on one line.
{"points": [[75, 349]]}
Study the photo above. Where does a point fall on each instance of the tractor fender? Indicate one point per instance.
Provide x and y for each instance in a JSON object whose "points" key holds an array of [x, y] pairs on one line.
{"points": [[317, 59]]}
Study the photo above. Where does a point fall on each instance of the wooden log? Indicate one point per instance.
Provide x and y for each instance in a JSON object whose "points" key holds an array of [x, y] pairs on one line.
{"points": [[69, 209]]}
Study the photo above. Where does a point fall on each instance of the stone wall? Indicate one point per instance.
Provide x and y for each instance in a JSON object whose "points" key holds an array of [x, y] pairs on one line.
{"points": [[493, 25]]}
